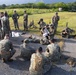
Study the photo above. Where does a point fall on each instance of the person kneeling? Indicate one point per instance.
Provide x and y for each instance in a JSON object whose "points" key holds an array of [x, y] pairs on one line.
{"points": [[6, 48], [26, 49], [36, 63], [53, 50]]}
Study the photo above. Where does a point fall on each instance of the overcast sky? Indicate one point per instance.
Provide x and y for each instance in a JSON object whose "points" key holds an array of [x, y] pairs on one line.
{"points": [[8, 2]]}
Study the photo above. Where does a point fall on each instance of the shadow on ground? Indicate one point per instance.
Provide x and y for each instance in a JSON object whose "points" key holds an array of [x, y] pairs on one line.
{"points": [[19, 64]]}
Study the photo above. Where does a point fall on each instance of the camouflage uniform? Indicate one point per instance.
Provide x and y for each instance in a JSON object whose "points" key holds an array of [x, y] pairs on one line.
{"points": [[42, 24], [47, 65], [5, 26], [15, 18], [66, 33], [54, 51], [43, 68], [0, 30], [6, 49], [25, 17], [45, 38], [52, 32], [55, 20], [26, 50], [36, 70], [8, 23], [33, 40]]}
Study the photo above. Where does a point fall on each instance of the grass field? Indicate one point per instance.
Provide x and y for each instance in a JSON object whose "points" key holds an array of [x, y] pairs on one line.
{"points": [[69, 17], [30, 11]]}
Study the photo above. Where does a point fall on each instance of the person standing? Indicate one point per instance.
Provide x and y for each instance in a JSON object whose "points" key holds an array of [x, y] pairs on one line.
{"points": [[55, 20], [4, 23], [8, 23], [25, 17], [15, 18], [0, 27]]}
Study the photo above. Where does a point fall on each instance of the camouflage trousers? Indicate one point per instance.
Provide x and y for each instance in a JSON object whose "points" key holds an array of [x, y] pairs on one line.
{"points": [[47, 65], [16, 25], [56, 25], [7, 54], [26, 25]]}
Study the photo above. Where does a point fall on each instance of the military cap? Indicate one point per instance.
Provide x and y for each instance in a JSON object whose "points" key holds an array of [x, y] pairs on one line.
{"points": [[26, 41], [41, 19]]}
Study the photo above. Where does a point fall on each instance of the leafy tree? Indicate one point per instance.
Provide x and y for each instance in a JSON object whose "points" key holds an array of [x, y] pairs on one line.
{"points": [[41, 5]]}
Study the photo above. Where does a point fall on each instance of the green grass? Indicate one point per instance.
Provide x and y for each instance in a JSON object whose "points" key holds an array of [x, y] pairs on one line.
{"points": [[69, 17], [30, 11]]}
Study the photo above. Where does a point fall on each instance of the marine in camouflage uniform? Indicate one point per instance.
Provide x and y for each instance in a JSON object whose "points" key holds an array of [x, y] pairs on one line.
{"points": [[40, 64], [25, 17], [55, 20], [54, 50], [0, 27], [26, 50], [32, 39], [8, 23], [15, 18], [45, 36], [47, 64], [36, 63], [48, 34], [4, 23], [6, 49], [42, 24], [66, 33], [51, 31]]}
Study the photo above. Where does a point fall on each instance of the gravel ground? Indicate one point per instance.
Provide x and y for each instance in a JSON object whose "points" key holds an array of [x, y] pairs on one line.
{"points": [[20, 66]]}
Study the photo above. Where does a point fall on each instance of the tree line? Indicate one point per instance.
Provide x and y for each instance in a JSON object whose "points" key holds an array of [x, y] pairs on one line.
{"points": [[40, 5]]}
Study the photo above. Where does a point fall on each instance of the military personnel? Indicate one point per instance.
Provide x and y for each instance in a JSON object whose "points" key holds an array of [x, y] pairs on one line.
{"points": [[25, 17], [36, 63], [54, 50], [8, 23], [48, 33], [0, 27], [66, 33], [4, 23], [41, 23], [32, 24], [6, 49], [45, 32], [55, 20], [40, 63], [26, 50], [45, 36], [51, 31], [32, 39], [47, 65], [15, 18]]}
